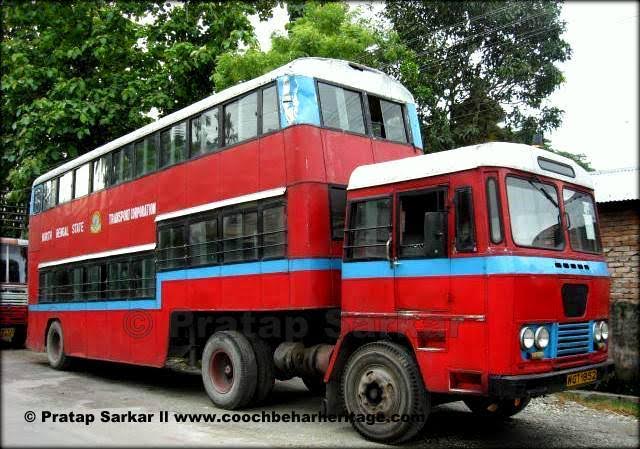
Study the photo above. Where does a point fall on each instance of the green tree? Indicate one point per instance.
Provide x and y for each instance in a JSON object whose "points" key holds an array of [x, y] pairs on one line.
{"points": [[485, 68], [329, 30], [77, 75]]}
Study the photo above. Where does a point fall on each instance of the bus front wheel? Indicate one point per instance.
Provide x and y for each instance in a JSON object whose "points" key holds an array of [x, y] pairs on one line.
{"points": [[496, 408], [382, 388], [55, 347], [229, 370]]}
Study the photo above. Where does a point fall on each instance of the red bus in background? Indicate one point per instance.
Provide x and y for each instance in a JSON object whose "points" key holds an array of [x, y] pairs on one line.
{"points": [[13, 291], [217, 235]]}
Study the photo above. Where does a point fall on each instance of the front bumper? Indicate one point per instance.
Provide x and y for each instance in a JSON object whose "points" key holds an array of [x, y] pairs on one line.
{"points": [[540, 384]]}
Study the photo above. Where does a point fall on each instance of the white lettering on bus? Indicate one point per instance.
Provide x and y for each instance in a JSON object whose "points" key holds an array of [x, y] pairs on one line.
{"points": [[77, 228], [46, 236], [62, 232], [132, 213]]}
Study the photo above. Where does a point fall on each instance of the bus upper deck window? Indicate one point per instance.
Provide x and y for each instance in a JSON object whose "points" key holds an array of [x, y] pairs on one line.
{"points": [[387, 119], [37, 199], [81, 186], [341, 108], [65, 187], [145, 155], [241, 119], [122, 164], [270, 113], [173, 144], [49, 194], [100, 173], [205, 136]]}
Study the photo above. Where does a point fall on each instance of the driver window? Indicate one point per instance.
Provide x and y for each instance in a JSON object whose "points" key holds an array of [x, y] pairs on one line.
{"points": [[422, 224]]}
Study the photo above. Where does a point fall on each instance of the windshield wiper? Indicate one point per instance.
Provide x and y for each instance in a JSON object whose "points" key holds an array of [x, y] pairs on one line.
{"points": [[544, 192]]}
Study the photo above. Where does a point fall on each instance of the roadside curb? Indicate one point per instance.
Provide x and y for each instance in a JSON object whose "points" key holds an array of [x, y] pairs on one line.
{"points": [[620, 397]]}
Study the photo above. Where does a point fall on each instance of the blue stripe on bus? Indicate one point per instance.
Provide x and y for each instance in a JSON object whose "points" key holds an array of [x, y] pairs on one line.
{"points": [[240, 269], [479, 265]]}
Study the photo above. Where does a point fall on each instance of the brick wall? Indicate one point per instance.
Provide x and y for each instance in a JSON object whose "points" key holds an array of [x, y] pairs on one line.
{"points": [[620, 231]]}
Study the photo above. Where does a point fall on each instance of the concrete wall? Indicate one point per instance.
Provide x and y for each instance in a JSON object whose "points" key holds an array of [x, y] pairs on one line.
{"points": [[620, 230]]}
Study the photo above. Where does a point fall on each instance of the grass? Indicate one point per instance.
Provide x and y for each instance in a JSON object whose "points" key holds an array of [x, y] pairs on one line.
{"points": [[617, 405]]}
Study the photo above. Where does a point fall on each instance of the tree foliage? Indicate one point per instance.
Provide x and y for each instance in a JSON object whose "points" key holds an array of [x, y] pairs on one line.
{"points": [[77, 75], [329, 30], [485, 68]]}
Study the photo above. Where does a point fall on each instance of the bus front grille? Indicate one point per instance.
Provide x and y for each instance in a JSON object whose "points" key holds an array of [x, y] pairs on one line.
{"points": [[573, 338]]}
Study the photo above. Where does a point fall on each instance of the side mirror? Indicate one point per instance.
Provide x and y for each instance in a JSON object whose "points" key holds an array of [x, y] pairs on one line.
{"points": [[434, 234]]}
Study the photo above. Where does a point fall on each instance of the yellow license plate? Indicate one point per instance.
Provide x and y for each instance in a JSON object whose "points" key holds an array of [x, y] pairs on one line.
{"points": [[582, 378], [7, 333]]}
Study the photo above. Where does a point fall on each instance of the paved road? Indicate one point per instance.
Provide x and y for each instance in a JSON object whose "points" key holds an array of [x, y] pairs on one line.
{"points": [[29, 384]]}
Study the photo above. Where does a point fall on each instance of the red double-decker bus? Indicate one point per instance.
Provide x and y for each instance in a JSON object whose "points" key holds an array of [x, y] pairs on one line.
{"points": [[217, 235]]}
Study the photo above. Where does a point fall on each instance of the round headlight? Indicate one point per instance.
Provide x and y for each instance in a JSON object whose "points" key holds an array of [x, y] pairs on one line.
{"points": [[541, 337], [604, 330], [526, 338], [597, 332]]}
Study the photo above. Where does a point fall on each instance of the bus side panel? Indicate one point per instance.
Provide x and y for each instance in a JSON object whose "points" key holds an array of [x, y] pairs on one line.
{"points": [[384, 150], [36, 330], [168, 187], [304, 156], [276, 291], [312, 289], [308, 237], [272, 162], [119, 345], [203, 180], [239, 169], [343, 153], [99, 324], [368, 295]]}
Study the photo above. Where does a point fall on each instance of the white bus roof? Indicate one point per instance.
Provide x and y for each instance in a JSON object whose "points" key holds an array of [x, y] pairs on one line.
{"points": [[336, 71], [493, 154]]}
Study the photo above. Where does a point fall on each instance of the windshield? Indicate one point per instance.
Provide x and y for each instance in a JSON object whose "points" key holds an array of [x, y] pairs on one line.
{"points": [[581, 221], [534, 212]]}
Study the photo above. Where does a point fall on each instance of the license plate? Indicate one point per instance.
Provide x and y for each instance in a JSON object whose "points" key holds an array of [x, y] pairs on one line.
{"points": [[7, 333], [582, 378]]}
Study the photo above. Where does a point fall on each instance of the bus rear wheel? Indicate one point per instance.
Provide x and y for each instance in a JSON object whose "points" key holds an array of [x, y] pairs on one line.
{"points": [[229, 370], [496, 408], [381, 382], [55, 347]]}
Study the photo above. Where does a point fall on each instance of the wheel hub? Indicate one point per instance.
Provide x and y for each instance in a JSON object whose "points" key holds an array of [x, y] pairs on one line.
{"points": [[221, 371], [377, 393]]}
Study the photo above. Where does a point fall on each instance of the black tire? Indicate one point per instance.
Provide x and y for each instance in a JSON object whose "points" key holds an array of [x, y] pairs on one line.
{"points": [[367, 376], [315, 384], [55, 347], [229, 371], [496, 408], [266, 377]]}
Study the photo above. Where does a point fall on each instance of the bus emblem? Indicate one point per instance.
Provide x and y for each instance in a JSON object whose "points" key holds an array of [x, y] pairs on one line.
{"points": [[96, 223]]}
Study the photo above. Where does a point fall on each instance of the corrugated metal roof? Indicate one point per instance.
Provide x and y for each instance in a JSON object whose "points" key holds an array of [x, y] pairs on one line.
{"points": [[619, 184]]}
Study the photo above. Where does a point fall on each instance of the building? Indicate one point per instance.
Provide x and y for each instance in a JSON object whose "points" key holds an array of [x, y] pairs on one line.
{"points": [[618, 202]]}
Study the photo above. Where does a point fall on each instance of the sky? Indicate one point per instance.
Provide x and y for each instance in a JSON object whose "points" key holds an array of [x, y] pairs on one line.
{"points": [[600, 94]]}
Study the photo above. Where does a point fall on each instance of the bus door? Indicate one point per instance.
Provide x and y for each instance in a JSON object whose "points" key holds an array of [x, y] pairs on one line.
{"points": [[422, 269]]}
